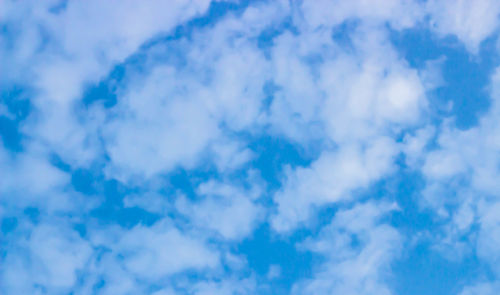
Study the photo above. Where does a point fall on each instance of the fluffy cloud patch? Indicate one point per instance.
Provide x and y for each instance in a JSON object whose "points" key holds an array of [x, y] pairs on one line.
{"points": [[237, 147]]}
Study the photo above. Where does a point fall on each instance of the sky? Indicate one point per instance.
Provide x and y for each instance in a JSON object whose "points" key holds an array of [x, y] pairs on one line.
{"points": [[237, 147]]}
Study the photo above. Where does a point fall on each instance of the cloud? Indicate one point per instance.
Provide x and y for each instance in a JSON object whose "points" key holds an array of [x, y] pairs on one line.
{"points": [[158, 129], [59, 48], [226, 287], [471, 23], [480, 289], [95, 37], [50, 258], [228, 210], [155, 252], [358, 248], [355, 102], [178, 113], [461, 175], [331, 179], [399, 14]]}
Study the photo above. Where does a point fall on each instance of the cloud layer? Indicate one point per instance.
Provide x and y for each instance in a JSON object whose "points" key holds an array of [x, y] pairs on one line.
{"points": [[171, 147]]}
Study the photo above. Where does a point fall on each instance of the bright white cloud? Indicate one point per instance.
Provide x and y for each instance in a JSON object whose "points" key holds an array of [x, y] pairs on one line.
{"points": [[353, 105], [155, 252], [50, 257], [470, 21], [59, 48], [400, 14], [228, 210], [331, 179], [358, 248], [462, 175]]}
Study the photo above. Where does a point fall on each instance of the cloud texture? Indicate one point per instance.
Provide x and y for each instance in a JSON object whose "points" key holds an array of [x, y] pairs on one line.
{"points": [[249, 147]]}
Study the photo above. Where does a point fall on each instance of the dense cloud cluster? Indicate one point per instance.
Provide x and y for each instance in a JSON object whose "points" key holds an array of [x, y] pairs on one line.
{"points": [[153, 147]]}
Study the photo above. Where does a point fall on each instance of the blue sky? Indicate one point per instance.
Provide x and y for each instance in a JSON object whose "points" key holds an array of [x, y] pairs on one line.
{"points": [[220, 147]]}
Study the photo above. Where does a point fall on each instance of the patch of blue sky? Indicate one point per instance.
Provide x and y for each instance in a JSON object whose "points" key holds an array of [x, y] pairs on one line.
{"points": [[264, 249], [423, 271], [16, 107], [464, 94]]}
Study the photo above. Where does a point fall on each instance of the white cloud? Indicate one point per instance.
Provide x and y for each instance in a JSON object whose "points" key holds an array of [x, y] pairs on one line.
{"points": [[84, 41], [355, 100], [34, 169], [273, 272], [175, 116], [358, 248], [155, 252], [470, 21], [488, 241], [50, 257], [164, 292], [59, 53], [225, 287], [414, 146], [112, 277], [349, 103], [372, 92], [157, 128], [481, 289], [330, 179], [61, 255], [226, 209], [230, 155], [29, 180], [462, 186], [399, 13], [151, 202]]}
